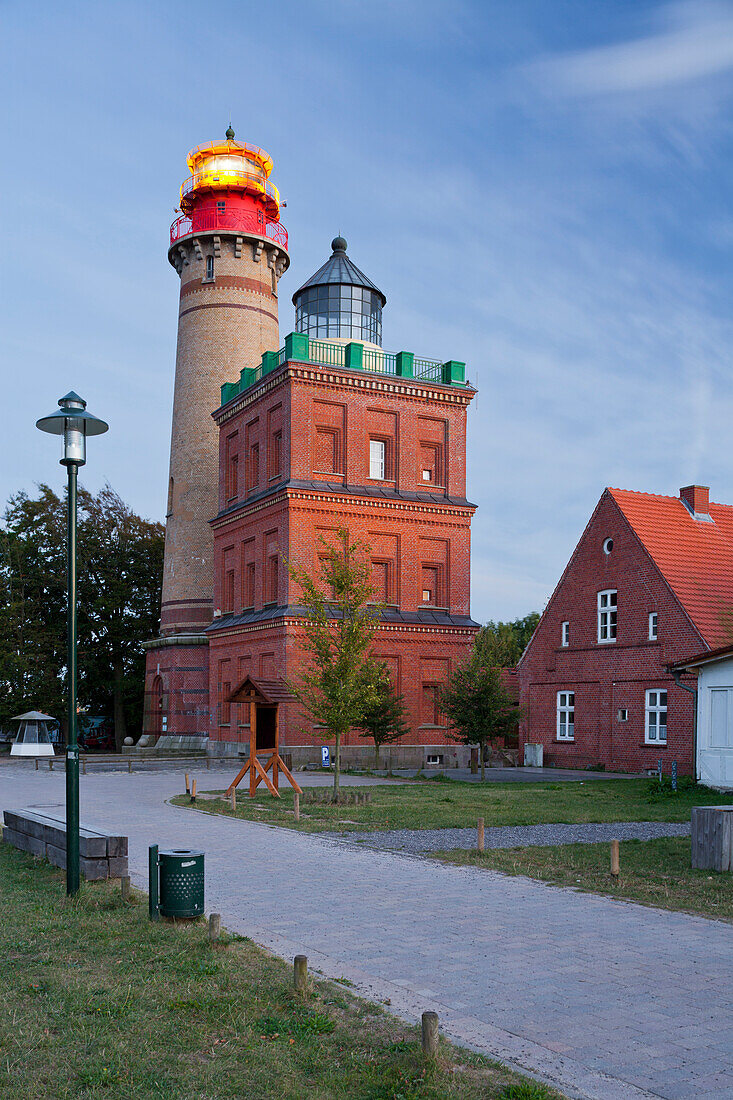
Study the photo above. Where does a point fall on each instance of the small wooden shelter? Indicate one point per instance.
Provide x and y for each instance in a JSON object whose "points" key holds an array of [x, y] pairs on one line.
{"points": [[264, 698]]}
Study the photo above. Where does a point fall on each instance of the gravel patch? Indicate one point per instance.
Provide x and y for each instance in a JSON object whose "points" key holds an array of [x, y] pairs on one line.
{"points": [[417, 841]]}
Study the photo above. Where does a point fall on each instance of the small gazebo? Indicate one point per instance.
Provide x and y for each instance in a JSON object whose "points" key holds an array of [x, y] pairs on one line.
{"points": [[34, 736]]}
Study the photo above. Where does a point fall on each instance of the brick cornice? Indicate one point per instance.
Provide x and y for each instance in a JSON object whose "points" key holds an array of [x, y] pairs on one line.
{"points": [[425, 393]]}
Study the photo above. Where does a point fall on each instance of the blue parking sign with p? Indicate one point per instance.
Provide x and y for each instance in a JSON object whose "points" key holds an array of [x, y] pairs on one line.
{"points": [[325, 757]]}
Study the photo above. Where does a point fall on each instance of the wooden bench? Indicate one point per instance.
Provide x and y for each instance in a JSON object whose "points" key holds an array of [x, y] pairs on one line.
{"points": [[100, 856]]}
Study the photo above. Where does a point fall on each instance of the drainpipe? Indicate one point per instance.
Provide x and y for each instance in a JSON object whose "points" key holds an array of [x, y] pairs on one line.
{"points": [[677, 674]]}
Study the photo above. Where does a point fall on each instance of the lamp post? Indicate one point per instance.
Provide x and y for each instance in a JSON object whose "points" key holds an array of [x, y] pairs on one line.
{"points": [[74, 423]]}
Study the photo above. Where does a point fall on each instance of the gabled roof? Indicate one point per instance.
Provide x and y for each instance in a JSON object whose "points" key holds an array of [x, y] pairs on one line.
{"points": [[266, 691], [694, 556]]}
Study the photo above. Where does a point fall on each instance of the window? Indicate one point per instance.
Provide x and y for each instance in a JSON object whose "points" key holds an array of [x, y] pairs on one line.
{"points": [[253, 466], [607, 608], [377, 452], [209, 267], [607, 546], [249, 585], [623, 715], [431, 585], [655, 726], [221, 207], [653, 622], [433, 760], [565, 634], [427, 475], [566, 715]]}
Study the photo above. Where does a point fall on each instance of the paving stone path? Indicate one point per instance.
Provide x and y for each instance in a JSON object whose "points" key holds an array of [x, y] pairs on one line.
{"points": [[606, 999], [420, 841]]}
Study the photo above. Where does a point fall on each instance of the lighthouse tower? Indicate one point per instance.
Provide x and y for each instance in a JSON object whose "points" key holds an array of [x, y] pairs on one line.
{"points": [[229, 249]]}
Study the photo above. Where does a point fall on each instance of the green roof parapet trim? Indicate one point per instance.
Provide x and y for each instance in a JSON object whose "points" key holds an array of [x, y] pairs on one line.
{"points": [[300, 348]]}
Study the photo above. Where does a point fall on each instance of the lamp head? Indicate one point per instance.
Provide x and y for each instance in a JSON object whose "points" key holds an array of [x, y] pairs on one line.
{"points": [[74, 423]]}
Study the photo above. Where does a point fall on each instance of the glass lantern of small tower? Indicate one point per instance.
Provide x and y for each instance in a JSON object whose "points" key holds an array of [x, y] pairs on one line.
{"points": [[34, 734], [339, 302]]}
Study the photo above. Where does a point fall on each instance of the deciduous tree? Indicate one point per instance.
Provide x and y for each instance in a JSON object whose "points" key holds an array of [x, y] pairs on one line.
{"points": [[477, 705], [384, 718]]}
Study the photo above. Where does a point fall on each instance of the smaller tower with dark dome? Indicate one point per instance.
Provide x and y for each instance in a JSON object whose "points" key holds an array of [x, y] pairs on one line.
{"points": [[339, 301]]}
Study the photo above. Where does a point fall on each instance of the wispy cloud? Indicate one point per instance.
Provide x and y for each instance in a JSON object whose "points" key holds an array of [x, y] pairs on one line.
{"points": [[694, 40]]}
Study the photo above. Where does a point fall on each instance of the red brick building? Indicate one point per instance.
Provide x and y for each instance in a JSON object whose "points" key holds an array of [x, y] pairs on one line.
{"points": [[649, 583], [325, 432]]}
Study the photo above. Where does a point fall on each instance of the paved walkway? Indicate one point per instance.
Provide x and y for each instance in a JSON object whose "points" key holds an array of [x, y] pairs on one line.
{"points": [[608, 1000], [416, 841]]}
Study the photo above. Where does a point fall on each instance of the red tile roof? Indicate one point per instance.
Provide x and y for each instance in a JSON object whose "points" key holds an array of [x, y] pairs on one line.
{"points": [[694, 556]]}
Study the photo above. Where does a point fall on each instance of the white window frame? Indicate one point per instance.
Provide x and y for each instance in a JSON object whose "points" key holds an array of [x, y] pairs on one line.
{"points": [[654, 708], [607, 616], [565, 728], [623, 714], [653, 626], [377, 459], [565, 634]]}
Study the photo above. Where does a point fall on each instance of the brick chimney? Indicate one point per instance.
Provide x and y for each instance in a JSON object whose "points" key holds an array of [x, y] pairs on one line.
{"points": [[697, 499]]}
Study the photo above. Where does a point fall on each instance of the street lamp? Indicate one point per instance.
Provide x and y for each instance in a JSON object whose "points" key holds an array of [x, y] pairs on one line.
{"points": [[74, 423]]}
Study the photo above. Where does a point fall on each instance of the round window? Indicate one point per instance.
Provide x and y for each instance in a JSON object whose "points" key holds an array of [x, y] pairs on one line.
{"points": [[607, 546]]}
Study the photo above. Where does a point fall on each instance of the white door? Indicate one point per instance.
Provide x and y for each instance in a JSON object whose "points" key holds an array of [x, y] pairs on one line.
{"points": [[716, 740]]}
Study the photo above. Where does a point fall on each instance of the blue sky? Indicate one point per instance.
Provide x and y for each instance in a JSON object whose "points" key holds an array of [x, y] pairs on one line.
{"points": [[542, 189]]}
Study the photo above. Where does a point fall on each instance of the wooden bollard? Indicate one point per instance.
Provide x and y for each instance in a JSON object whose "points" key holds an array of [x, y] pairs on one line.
{"points": [[188, 784], [296, 805], [430, 1034], [214, 926], [480, 835], [50, 764], [208, 763], [300, 973], [193, 790], [233, 797], [615, 862], [125, 885], [129, 765], [36, 763]]}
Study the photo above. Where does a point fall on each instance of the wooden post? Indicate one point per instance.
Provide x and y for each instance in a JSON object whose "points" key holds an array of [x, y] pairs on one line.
{"points": [[193, 790], [430, 1034], [36, 763], [614, 858], [296, 805], [214, 926], [129, 765], [252, 747], [234, 800], [300, 973], [83, 765], [50, 763], [208, 762], [125, 884], [188, 785], [276, 754], [480, 836]]}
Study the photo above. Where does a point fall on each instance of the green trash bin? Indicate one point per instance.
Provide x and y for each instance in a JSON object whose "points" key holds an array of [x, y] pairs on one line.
{"points": [[181, 883]]}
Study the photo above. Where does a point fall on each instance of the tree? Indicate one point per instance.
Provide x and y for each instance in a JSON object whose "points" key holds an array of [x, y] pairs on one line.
{"points": [[384, 718], [335, 687], [120, 566], [476, 704], [502, 644]]}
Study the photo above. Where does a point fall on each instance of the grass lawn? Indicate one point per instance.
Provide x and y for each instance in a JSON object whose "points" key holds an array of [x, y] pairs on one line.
{"points": [[434, 804], [653, 872], [96, 1001]]}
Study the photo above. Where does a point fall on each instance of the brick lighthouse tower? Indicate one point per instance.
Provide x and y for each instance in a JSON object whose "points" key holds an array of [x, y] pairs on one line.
{"points": [[229, 250]]}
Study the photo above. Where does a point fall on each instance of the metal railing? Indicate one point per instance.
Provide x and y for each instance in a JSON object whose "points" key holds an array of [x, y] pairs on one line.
{"points": [[431, 370], [381, 362], [231, 177], [203, 221], [329, 355]]}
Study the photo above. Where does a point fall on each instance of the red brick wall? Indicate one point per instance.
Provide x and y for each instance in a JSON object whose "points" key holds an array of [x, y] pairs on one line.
{"points": [[608, 677], [324, 415]]}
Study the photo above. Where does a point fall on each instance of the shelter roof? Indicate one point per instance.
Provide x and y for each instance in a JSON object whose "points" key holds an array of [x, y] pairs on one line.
{"points": [[695, 556], [266, 691], [33, 716]]}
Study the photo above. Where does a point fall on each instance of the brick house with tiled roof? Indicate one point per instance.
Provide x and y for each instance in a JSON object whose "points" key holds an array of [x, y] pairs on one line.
{"points": [[649, 583]]}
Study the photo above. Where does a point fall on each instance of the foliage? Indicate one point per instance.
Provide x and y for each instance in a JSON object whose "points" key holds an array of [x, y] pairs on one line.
{"points": [[662, 788], [336, 687], [502, 644], [119, 567], [476, 704], [383, 719]]}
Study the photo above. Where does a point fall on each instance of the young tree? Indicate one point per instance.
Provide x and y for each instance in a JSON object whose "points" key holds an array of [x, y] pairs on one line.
{"points": [[335, 687], [384, 718], [477, 705]]}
